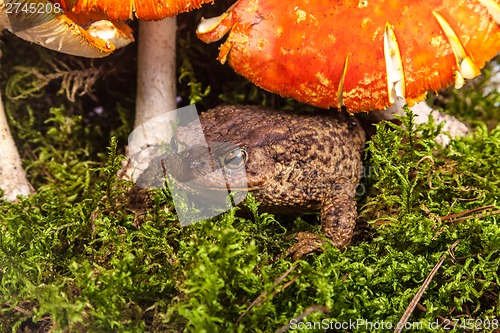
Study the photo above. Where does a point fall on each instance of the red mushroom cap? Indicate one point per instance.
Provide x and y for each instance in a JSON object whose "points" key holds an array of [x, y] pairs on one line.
{"points": [[123, 9], [87, 28], [358, 53]]}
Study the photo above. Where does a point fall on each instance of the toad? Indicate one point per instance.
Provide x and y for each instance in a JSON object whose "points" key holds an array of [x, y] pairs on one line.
{"points": [[291, 163]]}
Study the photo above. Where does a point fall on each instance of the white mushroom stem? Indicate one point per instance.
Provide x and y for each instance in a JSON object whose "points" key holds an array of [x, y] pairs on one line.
{"points": [[156, 86], [156, 76], [13, 179]]}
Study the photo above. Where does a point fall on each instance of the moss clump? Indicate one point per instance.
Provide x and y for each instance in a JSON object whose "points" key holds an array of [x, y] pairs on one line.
{"points": [[73, 257]]}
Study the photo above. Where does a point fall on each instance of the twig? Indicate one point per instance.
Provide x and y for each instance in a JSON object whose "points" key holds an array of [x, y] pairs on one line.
{"points": [[18, 309], [454, 216], [459, 217], [495, 212], [418, 295]]}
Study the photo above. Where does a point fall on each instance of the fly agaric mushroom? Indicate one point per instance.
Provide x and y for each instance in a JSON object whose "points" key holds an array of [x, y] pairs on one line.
{"points": [[361, 54], [44, 23], [156, 68], [94, 29], [156, 84], [90, 35]]}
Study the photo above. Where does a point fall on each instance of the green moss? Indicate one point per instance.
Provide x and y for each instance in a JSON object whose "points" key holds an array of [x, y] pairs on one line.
{"points": [[74, 256], [77, 256]]}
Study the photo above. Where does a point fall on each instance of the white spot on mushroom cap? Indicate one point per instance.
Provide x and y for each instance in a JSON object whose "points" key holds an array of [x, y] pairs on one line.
{"points": [[301, 15], [363, 3], [394, 65]]}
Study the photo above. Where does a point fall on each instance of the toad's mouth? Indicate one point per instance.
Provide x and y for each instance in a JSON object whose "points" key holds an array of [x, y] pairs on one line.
{"points": [[217, 181], [218, 166], [197, 186]]}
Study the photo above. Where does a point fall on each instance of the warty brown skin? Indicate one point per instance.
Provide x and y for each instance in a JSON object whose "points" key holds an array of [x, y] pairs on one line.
{"points": [[295, 163]]}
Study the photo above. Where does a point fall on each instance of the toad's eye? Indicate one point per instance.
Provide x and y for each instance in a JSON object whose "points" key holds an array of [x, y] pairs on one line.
{"points": [[174, 144], [235, 159]]}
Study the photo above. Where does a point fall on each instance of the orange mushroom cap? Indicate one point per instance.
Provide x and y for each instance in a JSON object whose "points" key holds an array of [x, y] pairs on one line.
{"points": [[97, 15], [361, 54], [87, 28], [123, 9]]}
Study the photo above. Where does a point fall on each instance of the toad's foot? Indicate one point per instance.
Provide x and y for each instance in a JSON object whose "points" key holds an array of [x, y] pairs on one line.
{"points": [[308, 242], [338, 218]]}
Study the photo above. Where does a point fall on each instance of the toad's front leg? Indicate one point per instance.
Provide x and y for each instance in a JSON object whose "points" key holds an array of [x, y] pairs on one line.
{"points": [[338, 219]]}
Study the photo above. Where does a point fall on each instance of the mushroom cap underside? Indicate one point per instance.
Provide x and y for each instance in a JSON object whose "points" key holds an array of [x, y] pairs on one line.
{"points": [[91, 35]]}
